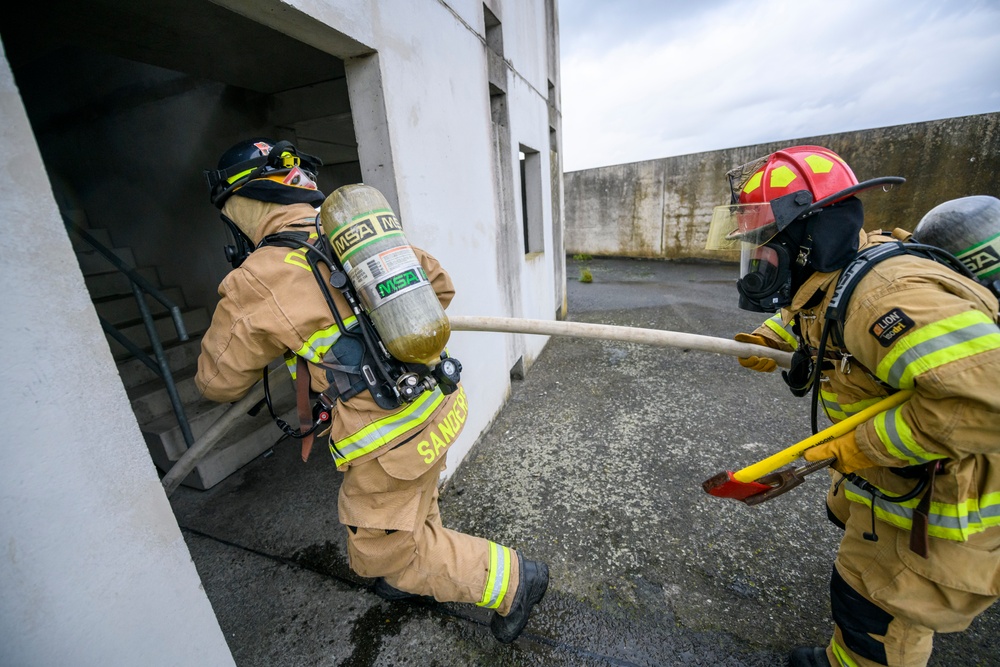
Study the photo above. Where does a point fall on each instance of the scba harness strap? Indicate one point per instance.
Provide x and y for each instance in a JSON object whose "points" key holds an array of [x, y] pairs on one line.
{"points": [[361, 361], [866, 260], [805, 372], [311, 414], [833, 329], [357, 366]]}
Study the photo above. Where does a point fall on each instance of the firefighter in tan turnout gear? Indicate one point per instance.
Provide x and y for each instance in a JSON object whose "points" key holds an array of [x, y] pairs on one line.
{"points": [[917, 488], [390, 451]]}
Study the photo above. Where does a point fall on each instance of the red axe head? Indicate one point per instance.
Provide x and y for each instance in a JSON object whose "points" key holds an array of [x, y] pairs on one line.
{"points": [[724, 485]]}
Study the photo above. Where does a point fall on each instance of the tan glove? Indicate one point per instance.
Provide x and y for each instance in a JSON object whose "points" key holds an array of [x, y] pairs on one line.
{"points": [[762, 364], [849, 456]]}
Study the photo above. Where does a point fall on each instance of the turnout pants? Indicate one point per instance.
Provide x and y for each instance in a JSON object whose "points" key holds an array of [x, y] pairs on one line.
{"points": [[888, 602], [390, 507]]}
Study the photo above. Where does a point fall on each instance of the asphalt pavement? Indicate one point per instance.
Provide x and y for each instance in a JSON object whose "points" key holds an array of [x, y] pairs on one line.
{"points": [[595, 466]]}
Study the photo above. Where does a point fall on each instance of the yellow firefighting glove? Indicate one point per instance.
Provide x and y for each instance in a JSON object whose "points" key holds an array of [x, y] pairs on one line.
{"points": [[849, 456], [762, 364]]}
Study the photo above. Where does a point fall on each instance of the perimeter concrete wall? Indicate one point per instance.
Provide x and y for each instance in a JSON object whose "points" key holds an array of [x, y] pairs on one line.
{"points": [[662, 208]]}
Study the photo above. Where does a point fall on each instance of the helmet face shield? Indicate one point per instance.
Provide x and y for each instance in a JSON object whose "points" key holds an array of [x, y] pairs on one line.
{"points": [[293, 178], [741, 224], [765, 277]]}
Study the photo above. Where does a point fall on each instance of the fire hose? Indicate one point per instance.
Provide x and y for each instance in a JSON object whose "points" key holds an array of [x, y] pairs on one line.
{"points": [[655, 337]]}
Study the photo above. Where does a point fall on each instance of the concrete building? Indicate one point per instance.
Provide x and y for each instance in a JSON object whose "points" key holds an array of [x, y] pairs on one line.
{"points": [[111, 111]]}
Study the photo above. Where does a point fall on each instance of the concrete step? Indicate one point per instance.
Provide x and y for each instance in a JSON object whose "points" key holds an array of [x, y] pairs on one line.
{"points": [[195, 322], [124, 308], [151, 401], [101, 285], [248, 439], [92, 262], [202, 413], [179, 355]]}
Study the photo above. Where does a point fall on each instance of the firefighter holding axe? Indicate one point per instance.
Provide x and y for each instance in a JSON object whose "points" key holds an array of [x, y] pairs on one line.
{"points": [[896, 339]]}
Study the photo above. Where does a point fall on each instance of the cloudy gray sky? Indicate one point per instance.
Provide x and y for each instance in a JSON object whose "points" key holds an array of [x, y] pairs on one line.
{"points": [[643, 79]]}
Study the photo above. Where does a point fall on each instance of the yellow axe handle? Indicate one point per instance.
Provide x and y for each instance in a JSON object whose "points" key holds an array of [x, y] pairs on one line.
{"points": [[786, 456]]}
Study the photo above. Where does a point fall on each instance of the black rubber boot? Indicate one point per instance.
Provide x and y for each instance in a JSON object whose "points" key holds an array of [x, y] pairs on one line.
{"points": [[390, 593], [533, 579], [808, 656]]}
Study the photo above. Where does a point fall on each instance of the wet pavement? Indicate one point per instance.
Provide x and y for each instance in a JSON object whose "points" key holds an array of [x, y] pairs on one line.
{"points": [[595, 466]]}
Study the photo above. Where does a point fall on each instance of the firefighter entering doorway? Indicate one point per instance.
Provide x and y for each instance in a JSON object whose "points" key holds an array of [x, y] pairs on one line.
{"points": [[291, 296]]}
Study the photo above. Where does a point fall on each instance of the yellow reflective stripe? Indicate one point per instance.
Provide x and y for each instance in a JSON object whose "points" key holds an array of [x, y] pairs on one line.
{"points": [[783, 330], [832, 408], [297, 257], [233, 179], [838, 412], [388, 428], [898, 438], [933, 345], [291, 364], [840, 653], [819, 164], [498, 577], [316, 347], [947, 521]]}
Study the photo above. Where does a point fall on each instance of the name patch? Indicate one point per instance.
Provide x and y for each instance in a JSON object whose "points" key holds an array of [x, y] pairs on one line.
{"points": [[891, 326], [442, 435]]}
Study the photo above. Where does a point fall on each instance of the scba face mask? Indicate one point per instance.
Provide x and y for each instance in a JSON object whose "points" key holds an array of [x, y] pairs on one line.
{"points": [[765, 282]]}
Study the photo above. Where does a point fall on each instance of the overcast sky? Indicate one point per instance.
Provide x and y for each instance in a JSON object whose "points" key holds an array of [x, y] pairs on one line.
{"points": [[644, 79]]}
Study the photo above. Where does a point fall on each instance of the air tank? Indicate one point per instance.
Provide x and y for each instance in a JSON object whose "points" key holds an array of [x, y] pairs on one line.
{"points": [[391, 285], [969, 228]]}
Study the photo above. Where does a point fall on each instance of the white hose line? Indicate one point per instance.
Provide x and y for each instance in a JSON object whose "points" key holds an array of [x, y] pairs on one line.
{"points": [[654, 337]]}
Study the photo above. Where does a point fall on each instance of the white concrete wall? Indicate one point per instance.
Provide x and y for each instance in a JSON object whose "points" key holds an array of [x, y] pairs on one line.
{"points": [[94, 569], [434, 158]]}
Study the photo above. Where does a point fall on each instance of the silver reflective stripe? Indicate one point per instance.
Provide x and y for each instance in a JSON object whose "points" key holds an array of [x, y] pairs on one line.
{"points": [[378, 433], [936, 344], [952, 522], [897, 440]]}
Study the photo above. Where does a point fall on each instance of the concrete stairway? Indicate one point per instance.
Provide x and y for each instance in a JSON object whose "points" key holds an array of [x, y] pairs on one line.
{"points": [[112, 295]]}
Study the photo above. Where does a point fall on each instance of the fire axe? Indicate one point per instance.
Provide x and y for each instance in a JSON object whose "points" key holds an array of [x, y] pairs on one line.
{"points": [[759, 482]]}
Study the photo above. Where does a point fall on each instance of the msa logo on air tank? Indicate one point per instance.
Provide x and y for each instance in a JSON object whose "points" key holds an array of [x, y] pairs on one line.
{"points": [[362, 230], [389, 223], [400, 281], [982, 261]]}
